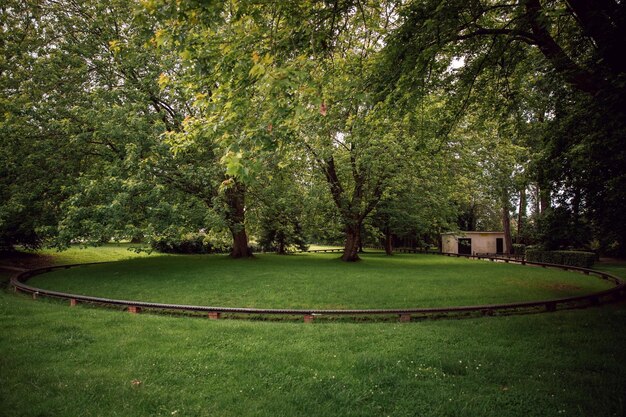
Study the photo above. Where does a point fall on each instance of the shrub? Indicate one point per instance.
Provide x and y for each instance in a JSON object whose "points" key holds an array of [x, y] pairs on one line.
{"points": [[281, 242], [519, 249], [188, 244], [561, 257], [558, 227]]}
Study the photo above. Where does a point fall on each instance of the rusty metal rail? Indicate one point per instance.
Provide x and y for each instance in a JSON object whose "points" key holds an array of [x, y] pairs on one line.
{"points": [[404, 314]]}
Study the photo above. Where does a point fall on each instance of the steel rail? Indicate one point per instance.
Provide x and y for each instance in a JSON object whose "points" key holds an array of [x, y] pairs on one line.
{"points": [[617, 292]]}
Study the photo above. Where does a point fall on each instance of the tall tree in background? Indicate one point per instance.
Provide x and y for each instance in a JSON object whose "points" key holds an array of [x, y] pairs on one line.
{"points": [[354, 141], [573, 44], [281, 197], [268, 78], [233, 56], [580, 41], [42, 90], [98, 101]]}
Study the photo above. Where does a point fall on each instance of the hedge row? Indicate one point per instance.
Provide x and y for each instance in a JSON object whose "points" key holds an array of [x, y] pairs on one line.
{"points": [[561, 257], [195, 244]]}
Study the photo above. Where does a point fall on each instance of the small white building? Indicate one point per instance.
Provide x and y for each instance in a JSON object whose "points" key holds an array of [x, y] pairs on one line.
{"points": [[471, 243]]}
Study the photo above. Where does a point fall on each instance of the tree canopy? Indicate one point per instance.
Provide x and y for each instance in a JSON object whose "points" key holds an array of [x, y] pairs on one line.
{"points": [[277, 124]]}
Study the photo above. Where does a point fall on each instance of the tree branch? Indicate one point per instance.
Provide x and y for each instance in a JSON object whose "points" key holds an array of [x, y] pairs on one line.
{"points": [[516, 34], [574, 74]]}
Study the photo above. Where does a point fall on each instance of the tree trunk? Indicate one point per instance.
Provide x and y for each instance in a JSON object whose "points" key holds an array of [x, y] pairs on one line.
{"points": [[471, 222], [506, 224], [138, 238], [235, 198], [536, 208], [521, 215], [543, 191], [352, 217], [351, 248], [282, 248], [388, 242], [361, 240], [544, 199], [240, 244]]}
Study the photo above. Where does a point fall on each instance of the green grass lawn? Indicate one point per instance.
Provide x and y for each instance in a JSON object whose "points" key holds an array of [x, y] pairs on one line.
{"points": [[72, 255], [319, 281], [108, 252], [83, 361]]}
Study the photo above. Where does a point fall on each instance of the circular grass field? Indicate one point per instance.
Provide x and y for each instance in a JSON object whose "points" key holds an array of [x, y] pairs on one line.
{"points": [[319, 281]]}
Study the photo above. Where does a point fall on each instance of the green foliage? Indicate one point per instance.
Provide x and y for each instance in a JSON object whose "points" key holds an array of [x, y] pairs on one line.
{"points": [[519, 249], [418, 207], [36, 94], [552, 67], [84, 111], [559, 228], [584, 157], [121, 120], [281, 196], [186, 244], [281, 235], [561, 257]]}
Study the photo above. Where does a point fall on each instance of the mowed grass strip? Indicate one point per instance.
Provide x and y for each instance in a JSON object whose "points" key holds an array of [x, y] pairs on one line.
{"points": [[319, 281]]}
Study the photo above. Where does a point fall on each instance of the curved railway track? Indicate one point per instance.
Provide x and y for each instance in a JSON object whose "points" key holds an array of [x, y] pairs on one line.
{"points": [[618, 291]]}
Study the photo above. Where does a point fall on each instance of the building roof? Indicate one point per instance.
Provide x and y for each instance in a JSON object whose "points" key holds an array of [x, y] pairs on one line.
{"points": [[460, 232]]}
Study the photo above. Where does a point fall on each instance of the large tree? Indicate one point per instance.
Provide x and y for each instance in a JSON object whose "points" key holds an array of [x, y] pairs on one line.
{"points": [[580, 41], [571, 47], [231, 67]]}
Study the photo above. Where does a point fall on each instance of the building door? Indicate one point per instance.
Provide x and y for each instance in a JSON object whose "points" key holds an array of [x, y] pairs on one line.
{"points": [[465, 246], [499, 245]]}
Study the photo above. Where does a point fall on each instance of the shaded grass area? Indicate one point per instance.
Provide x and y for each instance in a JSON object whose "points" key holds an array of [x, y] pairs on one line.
{"points": [[72, 255], [319, 281], [4, 278]]}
